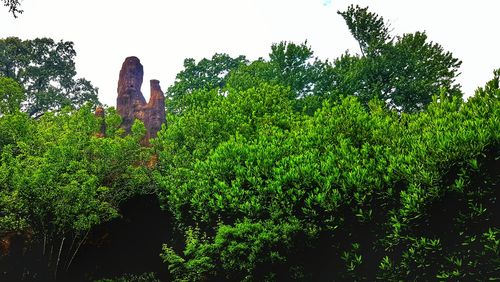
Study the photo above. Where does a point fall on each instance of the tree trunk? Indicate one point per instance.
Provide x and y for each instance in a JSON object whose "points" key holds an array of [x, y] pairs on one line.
{"points": [[70, 249], [76, 250], [59, 257], [44, 243]]}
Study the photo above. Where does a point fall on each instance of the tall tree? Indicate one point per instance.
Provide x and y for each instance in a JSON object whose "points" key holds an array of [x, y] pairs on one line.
{"points": [[290, 65], [368, 28], [46, 70], [405, 71], [205, 75]]}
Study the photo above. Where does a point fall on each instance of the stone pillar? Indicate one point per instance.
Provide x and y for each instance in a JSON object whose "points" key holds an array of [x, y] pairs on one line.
{"points": [[130, 98], [131, 104], [155, 113]]}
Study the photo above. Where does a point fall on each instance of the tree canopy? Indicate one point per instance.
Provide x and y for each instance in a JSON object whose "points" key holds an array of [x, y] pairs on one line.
{"points": [[367, 167], [46, 70], [265, 192], [59, 180], [368, 28], [404, 71], [206, 74]]}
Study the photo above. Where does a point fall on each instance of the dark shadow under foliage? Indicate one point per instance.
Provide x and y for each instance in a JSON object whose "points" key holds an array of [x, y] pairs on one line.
{"points": [[130, 244]]}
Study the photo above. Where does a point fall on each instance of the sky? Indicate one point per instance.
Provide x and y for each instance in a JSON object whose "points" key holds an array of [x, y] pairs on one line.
{"points": [[162, 33]]}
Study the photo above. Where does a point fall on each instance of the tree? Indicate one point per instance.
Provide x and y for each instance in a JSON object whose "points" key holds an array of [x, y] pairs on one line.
{"points": [[367, 28], [262, 191], [289, 65], [205, 75], [492, 87], [58, 180], [11, 95], [405, 71], [347, 194], [292, 66], [13, 7], [46, 70]]}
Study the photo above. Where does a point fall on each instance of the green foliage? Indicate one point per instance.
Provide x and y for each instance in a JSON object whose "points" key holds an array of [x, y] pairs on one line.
{"points": [[405, 71], [243, 252], [58, 180], [11, 96], [46, 70], [368, 168], [491, 89], [367, 28], [290, 65], [204, 75], [264, 192], [138, 130], [15, 127]]}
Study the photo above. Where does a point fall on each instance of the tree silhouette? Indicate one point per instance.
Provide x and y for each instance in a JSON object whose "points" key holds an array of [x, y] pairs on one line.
{"points": [[13, 7]]}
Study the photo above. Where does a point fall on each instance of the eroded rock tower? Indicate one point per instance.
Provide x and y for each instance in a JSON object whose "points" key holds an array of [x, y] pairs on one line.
{"points": [[131, 104]]}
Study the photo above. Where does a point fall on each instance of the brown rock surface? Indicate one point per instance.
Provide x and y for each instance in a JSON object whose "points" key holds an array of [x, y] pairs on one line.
{"points": [[154, 111], [131, 103], [99, 113]]}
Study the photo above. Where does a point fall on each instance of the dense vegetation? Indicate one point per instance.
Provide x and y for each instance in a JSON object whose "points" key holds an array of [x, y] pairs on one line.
{"points": [[371, 166], [46, 71]]}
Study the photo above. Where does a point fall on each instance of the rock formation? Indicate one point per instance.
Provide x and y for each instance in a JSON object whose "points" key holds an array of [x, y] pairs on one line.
{"points": [[99, 113], [154, 111], [131, 103]]}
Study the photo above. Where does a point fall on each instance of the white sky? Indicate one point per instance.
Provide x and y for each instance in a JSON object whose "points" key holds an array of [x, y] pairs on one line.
{"points": [[162, 33]]}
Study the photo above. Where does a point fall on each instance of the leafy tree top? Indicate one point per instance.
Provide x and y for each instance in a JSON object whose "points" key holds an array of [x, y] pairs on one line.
{"points": [[46, 70], [403, 71], [368, 28]]}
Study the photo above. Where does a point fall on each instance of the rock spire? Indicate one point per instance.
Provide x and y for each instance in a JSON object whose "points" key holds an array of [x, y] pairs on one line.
{"points": [[131, 104]]}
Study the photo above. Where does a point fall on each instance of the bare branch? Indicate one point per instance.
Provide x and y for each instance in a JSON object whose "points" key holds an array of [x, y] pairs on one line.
{"points": [[13, 7]]}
